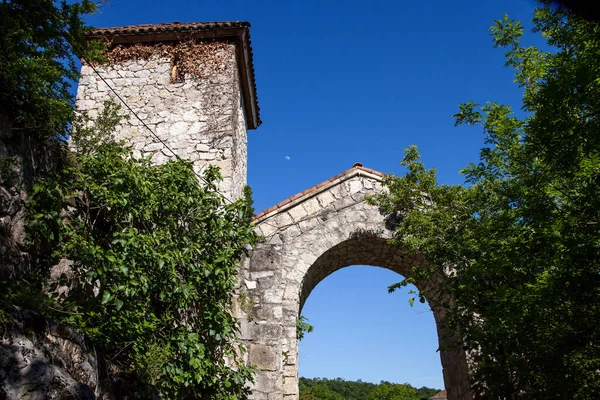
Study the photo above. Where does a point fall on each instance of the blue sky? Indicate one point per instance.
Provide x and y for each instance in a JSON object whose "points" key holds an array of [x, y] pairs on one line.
{"points": [[341, 82]]}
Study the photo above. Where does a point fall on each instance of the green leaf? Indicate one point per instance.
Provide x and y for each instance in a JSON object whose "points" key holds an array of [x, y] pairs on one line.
{"points": [[106, 296]]}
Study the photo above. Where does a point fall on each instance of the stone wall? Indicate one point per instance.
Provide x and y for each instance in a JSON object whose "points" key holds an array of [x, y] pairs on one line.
{"points": [[308, 238], [200, 119]]}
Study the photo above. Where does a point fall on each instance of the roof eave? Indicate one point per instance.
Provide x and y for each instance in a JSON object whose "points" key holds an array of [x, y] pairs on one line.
{"points": [[248, 87]]}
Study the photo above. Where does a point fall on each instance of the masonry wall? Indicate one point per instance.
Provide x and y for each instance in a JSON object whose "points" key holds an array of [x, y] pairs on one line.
{"points": [[306, 240], [200, 119]]}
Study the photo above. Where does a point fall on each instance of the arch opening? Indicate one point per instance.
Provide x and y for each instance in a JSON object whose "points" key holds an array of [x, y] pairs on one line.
{"points": [[363, 333], [370, 251], [362, 248]]}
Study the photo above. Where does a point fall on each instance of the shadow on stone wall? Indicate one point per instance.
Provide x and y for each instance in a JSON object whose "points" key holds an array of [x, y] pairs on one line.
{"points": [[39, 360]]}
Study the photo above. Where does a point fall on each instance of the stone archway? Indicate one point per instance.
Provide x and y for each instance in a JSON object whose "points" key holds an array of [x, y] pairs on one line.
{"points": [[308, 237]]}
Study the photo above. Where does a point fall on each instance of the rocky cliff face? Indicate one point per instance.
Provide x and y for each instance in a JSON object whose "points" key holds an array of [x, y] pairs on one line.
{"points": [[38, 359]]}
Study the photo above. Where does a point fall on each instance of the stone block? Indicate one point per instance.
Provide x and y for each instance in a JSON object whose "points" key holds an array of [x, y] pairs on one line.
{"points": [[202, 147], [325, 199], [261, 274], [295, 274], [179, 128], [282, 220], [297, 213], [269, 312], [264, 258], [312, 206], [153, 147], [265, 332], [291, 292], [290, 371], [85, 104], [354, 186], [263, 356], [290, 385], [290, 233], [207, 156], [246, 329], [308, 224], [275, 240], [267, 382], [343, 203], [273, 295], [268, 282], [159, 158], [190, 116]]}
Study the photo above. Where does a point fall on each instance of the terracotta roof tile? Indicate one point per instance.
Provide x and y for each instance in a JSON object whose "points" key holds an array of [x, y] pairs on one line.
{"points": [[439, 396], [164, 32], [167, 27], [315, 188]]}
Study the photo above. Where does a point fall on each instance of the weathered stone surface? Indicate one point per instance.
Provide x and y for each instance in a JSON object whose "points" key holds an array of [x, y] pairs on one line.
{"points": [[192, 118], [45, 363], [263, 356], [290, 385], [267, 382], [264, 258], [316, 236]]}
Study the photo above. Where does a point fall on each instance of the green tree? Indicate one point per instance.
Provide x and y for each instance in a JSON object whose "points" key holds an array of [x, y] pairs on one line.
{"points": [[154, 255], [357, 390], [319, 392], [424, 393], [388, 391], [523, 235], [37, 63]]}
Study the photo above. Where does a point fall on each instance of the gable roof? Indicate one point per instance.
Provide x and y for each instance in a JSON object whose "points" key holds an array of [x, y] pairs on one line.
{"points": [[440, 396], [236, 32], [357, 169]]}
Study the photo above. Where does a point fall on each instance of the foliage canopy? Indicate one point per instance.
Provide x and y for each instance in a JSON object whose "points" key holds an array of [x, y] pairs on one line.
{"points": [[37, 63]]}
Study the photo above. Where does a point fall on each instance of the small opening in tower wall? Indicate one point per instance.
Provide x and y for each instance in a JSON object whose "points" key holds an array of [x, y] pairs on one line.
{"points": [[177, 75]]}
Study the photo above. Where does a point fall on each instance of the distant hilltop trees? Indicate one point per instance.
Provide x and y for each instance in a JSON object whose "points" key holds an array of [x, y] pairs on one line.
{"points": [[340, 389]]}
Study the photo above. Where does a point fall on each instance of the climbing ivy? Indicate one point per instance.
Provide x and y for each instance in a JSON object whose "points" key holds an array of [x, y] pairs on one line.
{"points": [[152, 255]]}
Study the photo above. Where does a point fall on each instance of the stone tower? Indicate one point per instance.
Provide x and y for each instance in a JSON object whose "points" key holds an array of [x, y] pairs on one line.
{"points": [[189, 89]]}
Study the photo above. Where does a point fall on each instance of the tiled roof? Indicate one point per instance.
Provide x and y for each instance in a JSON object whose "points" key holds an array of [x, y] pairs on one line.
{"points": [[237, 31], [357, 167], [167, 27], [439, 396]]}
